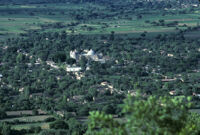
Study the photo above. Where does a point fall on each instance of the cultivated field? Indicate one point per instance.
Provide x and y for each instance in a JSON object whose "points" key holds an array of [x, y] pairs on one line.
{"points": [[16, 19], [28, 118], [28, 122], [43, 125]]}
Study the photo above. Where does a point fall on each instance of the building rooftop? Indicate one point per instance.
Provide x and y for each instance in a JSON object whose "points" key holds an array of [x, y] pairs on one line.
{"points": [[91, 52]]}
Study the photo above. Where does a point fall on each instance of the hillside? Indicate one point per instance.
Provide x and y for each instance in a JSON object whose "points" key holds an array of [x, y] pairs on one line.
{"points": [[61, 60]]}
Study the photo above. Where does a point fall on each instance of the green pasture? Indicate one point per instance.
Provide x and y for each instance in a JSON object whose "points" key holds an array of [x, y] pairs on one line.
{"points": [[193, 34], [29, 118], [139, 25], [30, 121], [43, 125], [13, 24], [196, 75]]}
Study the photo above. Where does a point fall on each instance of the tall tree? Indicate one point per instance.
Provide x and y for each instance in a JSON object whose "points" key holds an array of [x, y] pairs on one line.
{"points": [[154, 116]]}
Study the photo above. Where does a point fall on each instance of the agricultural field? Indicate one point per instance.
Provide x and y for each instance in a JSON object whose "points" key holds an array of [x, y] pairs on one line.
{"points": [[28, 118], [195, 34], [18, 19], [27, 122], [43, 125]]}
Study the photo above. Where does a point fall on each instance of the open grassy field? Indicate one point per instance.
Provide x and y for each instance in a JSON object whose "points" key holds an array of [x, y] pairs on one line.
{"points": [[43, 125], [138, 26], [16, 19], [29, 118], [193, 34], [29, 121]]}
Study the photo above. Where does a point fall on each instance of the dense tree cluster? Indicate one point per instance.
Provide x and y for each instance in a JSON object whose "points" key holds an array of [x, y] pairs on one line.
{"points": [[133, 63], [151, 116]]}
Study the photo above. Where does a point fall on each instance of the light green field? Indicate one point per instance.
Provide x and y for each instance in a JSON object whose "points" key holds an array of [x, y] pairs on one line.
{"points": [[30, 121], [29, 118], [13, 24], [139, 25], [193, 34], [43, 125]]}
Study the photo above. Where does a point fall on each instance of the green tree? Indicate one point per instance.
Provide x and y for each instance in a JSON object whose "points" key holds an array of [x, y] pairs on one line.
{"points": [[59, 124], [109, 109], [83, 63], [5, 129], [112, 35], [59, 57], [20, 58], [75, 127], [152, 116], [2, 113]]}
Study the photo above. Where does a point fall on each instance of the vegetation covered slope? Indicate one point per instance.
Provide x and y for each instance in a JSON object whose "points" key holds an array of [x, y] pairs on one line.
{"points": [[67, 59], [152, 116]]}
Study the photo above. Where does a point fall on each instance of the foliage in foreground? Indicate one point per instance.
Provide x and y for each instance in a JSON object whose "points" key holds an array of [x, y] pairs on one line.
{"points": [[152, 116]]}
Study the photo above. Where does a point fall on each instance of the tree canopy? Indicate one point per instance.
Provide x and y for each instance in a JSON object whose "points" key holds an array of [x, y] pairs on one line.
{"points": [[152, 116]]}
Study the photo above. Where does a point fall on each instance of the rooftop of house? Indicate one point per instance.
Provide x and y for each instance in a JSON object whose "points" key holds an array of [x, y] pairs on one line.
{"points": [[168, 80], [173, 92]]}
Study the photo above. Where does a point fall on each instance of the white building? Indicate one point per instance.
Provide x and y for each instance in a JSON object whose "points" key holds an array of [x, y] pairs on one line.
{"points": [[52, 64], [101, 60], [170, 55], [73, 69], [91, 53], [21, 89], [74, 54]]}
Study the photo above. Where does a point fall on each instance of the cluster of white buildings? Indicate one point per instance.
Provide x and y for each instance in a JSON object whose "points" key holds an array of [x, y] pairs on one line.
{"points": [[74, 54], [89, 54]]}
